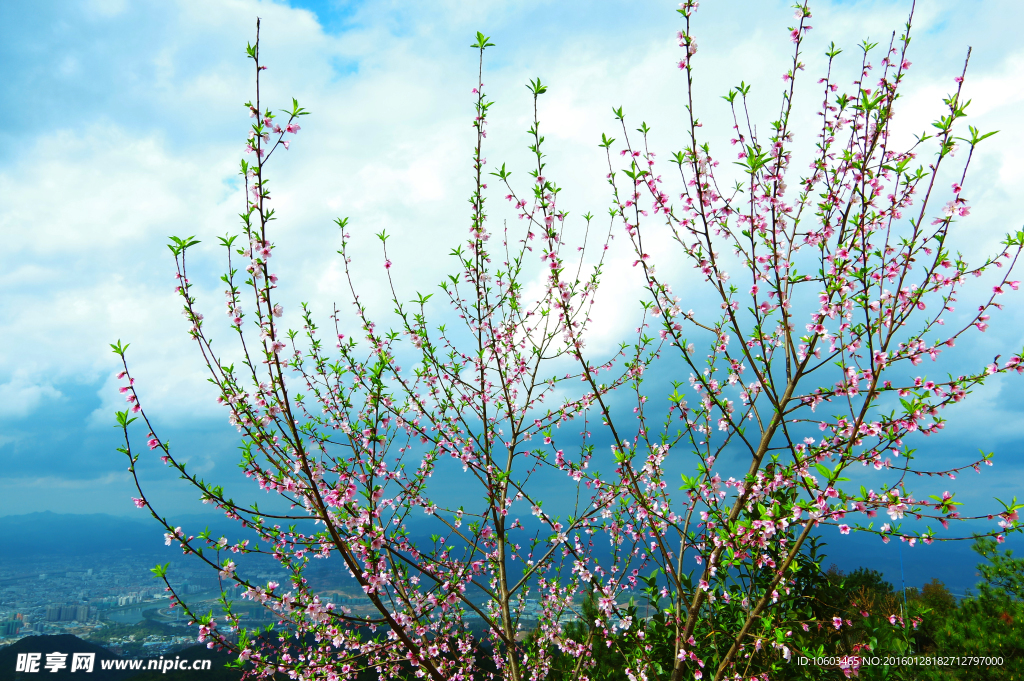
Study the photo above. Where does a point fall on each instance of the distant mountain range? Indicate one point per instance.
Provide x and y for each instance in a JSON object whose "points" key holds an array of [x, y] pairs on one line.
{"points": [[47, 533], [53, 534]]}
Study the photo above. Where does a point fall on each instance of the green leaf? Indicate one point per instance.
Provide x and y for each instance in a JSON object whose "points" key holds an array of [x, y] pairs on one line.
{"points": [[122, 419], [482, 41], [178, 245]]}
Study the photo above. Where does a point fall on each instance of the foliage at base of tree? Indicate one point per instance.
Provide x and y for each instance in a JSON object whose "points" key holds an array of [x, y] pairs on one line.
{"points": [[876, 621], [985, 625]]}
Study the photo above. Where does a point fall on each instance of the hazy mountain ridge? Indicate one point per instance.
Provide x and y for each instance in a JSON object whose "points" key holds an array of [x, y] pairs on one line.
{"points": [[47, 533]]}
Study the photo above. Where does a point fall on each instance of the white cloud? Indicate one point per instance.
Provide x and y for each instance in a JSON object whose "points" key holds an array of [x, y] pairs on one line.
{"points": [[88, 209], [21, 396], [100, 193], [88, 204], [107, 8]]}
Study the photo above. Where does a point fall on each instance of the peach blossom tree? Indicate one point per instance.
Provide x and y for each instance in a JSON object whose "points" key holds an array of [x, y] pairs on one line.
{"points": [[819, 298]]}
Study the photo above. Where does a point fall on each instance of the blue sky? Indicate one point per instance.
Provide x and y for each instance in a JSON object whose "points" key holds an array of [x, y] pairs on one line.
{"points": [[125, 124]]}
